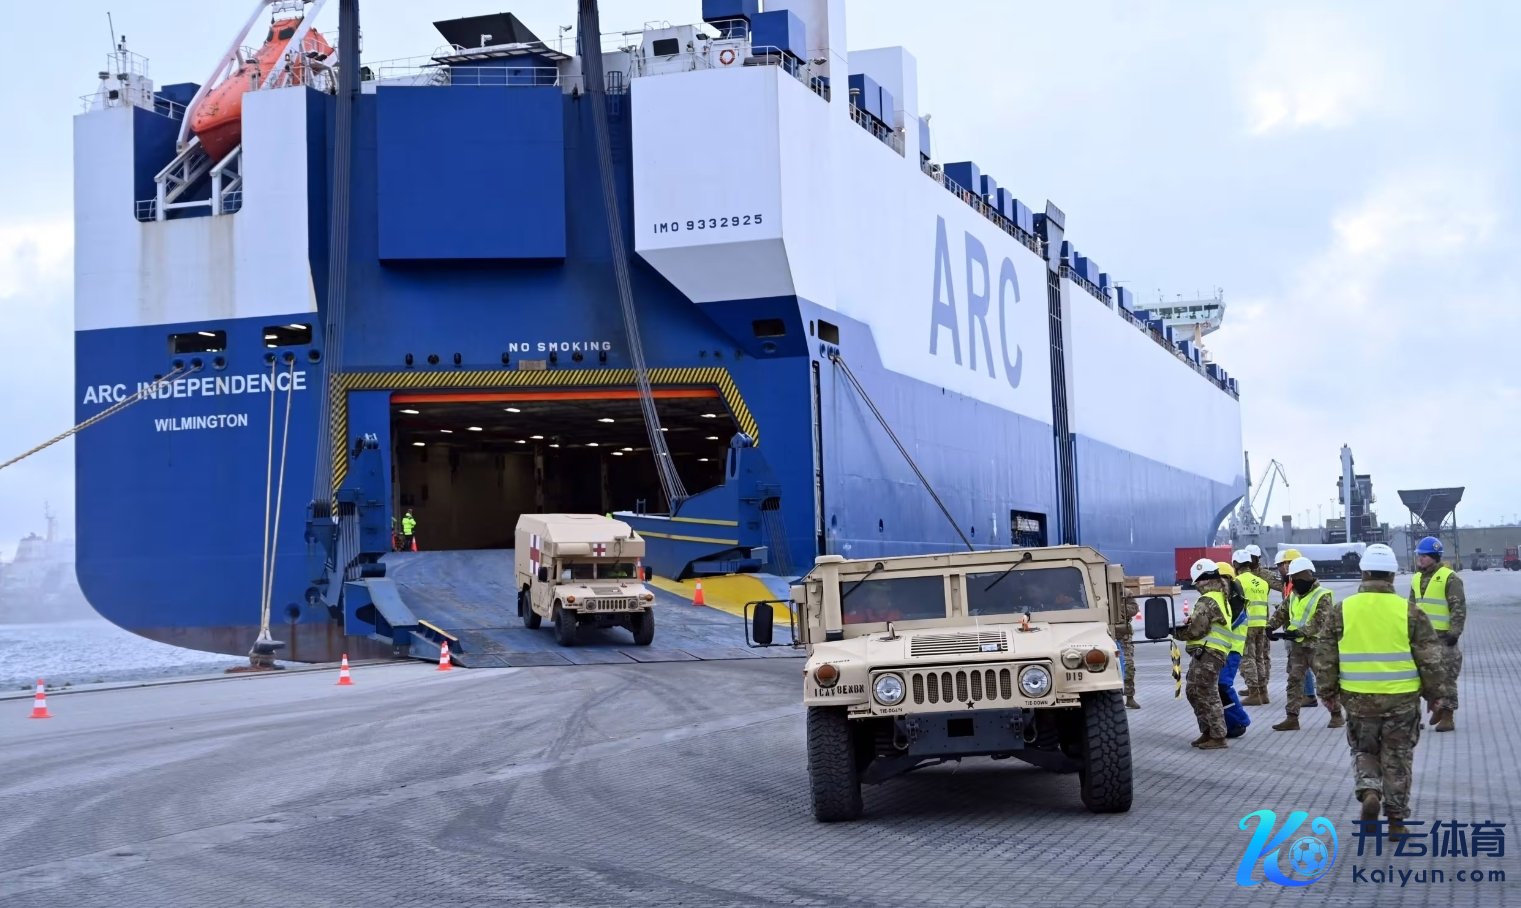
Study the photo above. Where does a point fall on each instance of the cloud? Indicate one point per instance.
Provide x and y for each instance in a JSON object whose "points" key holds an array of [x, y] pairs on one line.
{"points": [[1313, 69]]}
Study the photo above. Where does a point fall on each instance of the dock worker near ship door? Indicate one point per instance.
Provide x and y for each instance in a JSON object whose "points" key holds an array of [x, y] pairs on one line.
{"points": [[1300, 619], [1439, 593], [1376, 655], [1208, 636], [1258, 657], [408, 528]]}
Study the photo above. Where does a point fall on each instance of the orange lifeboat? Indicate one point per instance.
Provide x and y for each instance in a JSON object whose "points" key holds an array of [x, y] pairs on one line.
{"points": [[218, 121]]}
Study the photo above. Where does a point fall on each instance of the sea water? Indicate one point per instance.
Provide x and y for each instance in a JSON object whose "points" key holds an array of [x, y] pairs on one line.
{"points": [[94, 651]]}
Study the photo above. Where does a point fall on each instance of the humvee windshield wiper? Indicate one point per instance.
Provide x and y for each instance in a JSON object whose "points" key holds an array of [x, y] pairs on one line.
{"points": [[863, 579], [994, 582]]}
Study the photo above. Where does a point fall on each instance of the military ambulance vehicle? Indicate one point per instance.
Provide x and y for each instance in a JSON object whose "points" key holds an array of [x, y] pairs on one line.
{"points": [[582, 570], [917, 660]]}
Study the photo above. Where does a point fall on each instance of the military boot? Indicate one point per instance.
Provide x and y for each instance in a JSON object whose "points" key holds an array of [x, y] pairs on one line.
{"points": [[1441, 720], [1397, 828], [1130, 702], [1199, 740], [1337, 720], [1370, 806], [1213, 744], [1262, 693], [1251, 698], [1289, 723]]}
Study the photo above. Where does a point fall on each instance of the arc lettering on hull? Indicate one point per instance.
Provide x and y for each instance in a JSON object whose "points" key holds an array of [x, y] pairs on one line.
{"points": [[944, 311]]}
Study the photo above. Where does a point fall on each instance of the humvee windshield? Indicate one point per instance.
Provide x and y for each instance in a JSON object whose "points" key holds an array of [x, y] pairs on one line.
{"points": [[1025, 589], [876, 599], [595, 570]]}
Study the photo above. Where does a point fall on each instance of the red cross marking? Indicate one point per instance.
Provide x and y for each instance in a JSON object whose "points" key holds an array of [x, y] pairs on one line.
{"points": [[599, 549]]}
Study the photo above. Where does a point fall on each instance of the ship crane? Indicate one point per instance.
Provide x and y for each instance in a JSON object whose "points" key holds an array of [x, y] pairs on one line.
{"points": [[1249, 518]]}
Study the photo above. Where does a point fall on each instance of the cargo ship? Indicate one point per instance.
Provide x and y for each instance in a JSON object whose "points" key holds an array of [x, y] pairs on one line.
{"points": [[375, 289]]}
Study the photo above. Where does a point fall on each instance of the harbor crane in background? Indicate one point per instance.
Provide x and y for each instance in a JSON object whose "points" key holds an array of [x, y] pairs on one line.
{"points": [[1247, 523]]}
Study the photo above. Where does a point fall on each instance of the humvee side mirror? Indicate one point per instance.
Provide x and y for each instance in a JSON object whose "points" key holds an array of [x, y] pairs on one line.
{"points": [[1158, 618], [543, 575], [760, 624]]}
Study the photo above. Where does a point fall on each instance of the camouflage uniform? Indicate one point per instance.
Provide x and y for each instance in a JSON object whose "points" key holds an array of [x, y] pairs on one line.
{"points": [[1382, 729], [1257, 660], [1202, 684], [1124, 635], [1447, 697], [1301, 657]]}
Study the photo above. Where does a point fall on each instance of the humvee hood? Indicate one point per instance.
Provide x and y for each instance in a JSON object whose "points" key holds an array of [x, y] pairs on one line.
{"points": [[971, 643]]}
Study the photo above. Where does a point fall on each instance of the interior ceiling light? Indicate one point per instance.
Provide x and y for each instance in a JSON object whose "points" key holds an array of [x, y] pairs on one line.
{"points": [[475, 428], [410, 412], [605, 419], [664, 429], [297, 327], [702, 460], [617, 453], [447, 431], [207, 333], [522, 442], [419, 444], [628, 449], [710, 416], [554, 445], [712, 438], [591, 444], [513, 410], [537, 437]]}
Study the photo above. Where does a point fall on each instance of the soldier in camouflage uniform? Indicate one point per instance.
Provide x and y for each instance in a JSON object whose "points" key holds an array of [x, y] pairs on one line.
{"points": [[1257, 658], [1441, 599], [1124, 635], [1207, 628], [1299, 615], [1383, 719]]}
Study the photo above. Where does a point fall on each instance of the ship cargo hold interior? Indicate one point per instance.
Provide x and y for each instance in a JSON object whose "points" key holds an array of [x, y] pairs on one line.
{"points": [[468, 464]]}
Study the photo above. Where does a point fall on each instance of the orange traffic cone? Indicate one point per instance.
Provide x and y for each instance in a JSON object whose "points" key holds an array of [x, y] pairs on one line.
{"points": [[343, 672], [40, 703], [443, 658], [697, 599], [414, 543]]}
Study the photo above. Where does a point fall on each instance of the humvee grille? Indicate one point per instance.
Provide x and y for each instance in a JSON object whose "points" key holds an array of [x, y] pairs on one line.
{"points": [[961, 685], [607, 605], [952, 644]]}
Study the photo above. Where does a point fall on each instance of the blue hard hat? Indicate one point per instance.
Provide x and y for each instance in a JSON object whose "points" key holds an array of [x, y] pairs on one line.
{"points": [[1429, 546]]}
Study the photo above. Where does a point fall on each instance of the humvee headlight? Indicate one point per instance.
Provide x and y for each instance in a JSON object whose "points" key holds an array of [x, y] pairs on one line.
{"points": [[1035, 681], [1072, 659], [647, 597], [888, 689], [570, 598], [1096, 660], [826, 675]]}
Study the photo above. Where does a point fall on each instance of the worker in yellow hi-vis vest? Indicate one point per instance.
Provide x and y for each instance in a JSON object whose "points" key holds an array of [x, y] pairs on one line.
{"points": [[1376, 655], [1258, 656], [408, 528], [1439, 593]]}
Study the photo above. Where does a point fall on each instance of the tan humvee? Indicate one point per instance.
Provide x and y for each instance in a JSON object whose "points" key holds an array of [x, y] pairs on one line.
{"points": [[916, 660], [582, 569]]}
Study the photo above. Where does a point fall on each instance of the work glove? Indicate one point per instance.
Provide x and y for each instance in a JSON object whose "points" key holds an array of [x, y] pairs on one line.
{"points": [[1450, 639]]}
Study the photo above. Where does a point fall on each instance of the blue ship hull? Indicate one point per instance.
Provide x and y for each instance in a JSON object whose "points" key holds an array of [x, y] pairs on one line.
{"points": [[461, 267]]}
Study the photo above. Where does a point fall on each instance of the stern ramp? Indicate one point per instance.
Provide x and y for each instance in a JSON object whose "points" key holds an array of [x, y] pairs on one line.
{"points": [[471, 597]]}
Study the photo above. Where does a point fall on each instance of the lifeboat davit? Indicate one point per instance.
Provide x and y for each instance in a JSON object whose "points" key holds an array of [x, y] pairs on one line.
{"points": [[218, 121]]}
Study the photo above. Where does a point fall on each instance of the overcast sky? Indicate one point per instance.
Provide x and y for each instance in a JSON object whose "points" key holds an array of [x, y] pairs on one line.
{"points": [[1347, 173]]}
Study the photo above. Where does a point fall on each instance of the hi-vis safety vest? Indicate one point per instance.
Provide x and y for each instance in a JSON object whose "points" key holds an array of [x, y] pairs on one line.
{"points": [[1300, 615], [1433, 600], [1257, 591], [1221, 637], [1375, 645]]}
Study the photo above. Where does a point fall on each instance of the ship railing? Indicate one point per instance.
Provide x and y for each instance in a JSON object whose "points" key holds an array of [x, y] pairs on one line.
{"points": [[892, 138], [979, 204], [116, 98], [1160, 339], [424, 71], [771, 55]]}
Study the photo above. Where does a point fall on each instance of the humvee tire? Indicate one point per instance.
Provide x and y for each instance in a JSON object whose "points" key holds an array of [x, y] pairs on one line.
{"points": [[565, 626], [531, 618], [643, 626], [1106, 770], [833, 779]]}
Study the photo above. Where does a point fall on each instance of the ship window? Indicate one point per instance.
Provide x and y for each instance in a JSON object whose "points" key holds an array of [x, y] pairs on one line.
{"points": [[828, 333], [666, 47], [198, 342], [287, 335], [769, 327]]}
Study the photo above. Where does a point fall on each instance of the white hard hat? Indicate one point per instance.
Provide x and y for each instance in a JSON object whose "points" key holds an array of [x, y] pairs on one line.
{"points": [[1379, 557], [1201, 567], [1242, 557], [1253, 550], [1301, 564]]}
